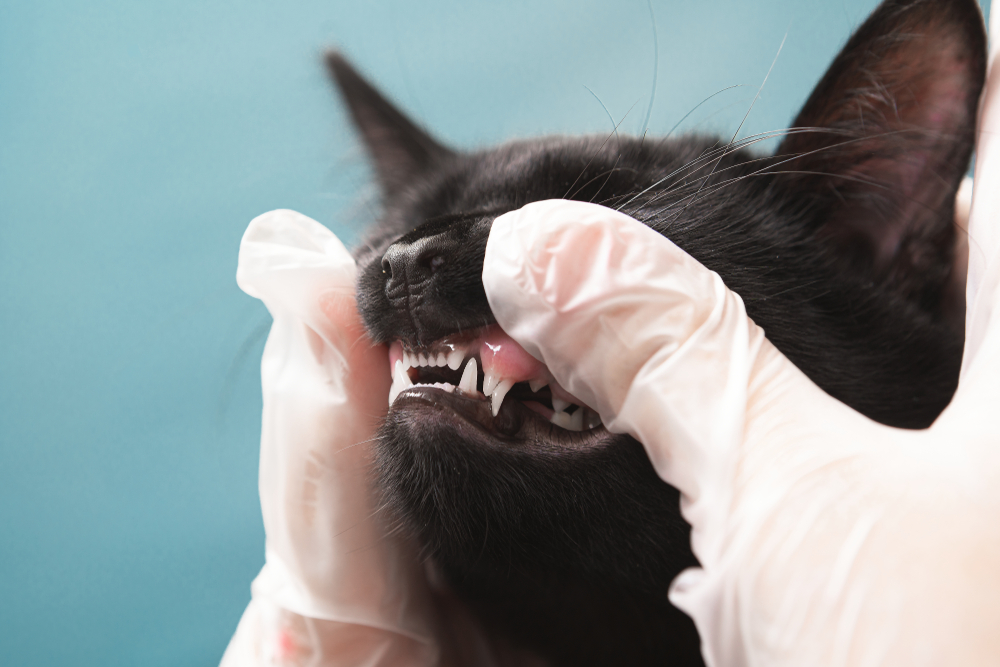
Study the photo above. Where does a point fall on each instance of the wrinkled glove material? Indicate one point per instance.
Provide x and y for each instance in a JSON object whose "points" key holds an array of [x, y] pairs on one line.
{"points": [[335, 589]]}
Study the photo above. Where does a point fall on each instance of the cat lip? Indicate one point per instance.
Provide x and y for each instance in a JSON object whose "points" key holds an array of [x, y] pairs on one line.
{"points": [[506, 367]]}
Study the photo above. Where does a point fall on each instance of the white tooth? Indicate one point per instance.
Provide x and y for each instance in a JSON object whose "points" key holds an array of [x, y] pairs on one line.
{"points": [[441, 360], [421, 360], [402, 377], [455, 358], [576, 420], [560, 405], [560, 419], [400, 381], [499, 392], [536, 385], [468, 382], [490, 381], [407, 360]]}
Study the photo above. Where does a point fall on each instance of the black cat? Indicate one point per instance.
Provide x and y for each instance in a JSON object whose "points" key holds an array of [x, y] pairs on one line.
{"points": [[563, 541]]}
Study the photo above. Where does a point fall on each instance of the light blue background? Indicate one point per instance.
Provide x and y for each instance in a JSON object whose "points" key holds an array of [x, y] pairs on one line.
{"points": [[137, 140]]}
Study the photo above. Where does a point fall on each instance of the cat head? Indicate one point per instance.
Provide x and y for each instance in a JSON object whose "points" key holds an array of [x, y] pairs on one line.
{"points": [[841, 243]]}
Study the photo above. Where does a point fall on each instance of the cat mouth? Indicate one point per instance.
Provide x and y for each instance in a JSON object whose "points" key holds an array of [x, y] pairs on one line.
{"points": [[488, 379]]}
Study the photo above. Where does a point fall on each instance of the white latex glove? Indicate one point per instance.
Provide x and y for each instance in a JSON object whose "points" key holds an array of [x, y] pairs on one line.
{"points": [[334, 590], [824, 538]]}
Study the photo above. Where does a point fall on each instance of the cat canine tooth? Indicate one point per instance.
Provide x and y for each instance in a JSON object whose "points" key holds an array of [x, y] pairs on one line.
{"points": [[455, 358], [499, 391], [400, 381], [560, 405], [490, 381], [536, 385], [468, 382]]}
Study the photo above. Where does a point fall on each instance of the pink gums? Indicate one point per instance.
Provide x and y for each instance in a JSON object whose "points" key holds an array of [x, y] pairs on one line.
{"points": [[501, 355]]}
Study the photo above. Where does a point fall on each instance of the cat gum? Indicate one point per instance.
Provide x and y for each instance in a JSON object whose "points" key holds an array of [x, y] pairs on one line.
{"points": [[503, 361]]}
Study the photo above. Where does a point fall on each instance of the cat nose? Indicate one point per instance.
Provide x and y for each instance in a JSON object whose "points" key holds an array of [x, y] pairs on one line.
{"points": [[410, 266]]}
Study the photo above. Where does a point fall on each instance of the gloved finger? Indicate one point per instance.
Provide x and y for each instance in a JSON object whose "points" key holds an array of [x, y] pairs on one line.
{"points": [[654, 341], [269, 635], [633, 326], [325, 388], [288, 259], [368, 374]]}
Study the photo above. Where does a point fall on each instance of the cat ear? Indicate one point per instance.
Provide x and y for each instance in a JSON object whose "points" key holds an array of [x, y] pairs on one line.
{"points": [[399, 150], [882, 144]]}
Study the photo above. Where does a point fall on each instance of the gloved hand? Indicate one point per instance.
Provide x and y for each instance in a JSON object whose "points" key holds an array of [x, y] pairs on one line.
{"points": [[335, 589], [824, 538]]}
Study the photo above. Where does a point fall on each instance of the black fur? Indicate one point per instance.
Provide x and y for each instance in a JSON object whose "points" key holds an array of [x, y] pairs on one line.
{"points": [[841, 245]]}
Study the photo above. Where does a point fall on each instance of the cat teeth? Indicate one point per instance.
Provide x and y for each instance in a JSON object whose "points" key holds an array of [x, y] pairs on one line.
{"points": [[452, 358], [468, 382], [496, 386], [400, 381], [499, 392], [490, 381], [570, 422], [582, 419], [561, 419], [536, 385]]}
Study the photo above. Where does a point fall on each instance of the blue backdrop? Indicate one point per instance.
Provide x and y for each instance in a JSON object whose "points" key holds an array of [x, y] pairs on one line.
{"points": [[137, 140]]}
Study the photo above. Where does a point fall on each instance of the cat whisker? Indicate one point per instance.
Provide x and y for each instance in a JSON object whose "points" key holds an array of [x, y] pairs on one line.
{"points": [[747, 115], [656, 63], [614, 127], [597, 152], [790, 158], [695, 108], [605, 173], [722, 152], [610, 173]]}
